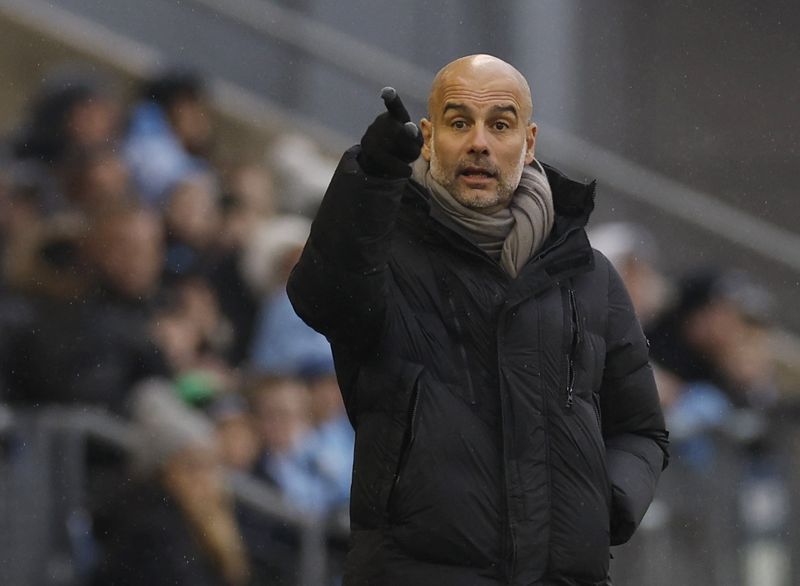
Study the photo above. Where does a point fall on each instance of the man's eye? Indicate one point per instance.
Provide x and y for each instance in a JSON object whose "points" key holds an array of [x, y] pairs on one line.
{"points": [[459, 124], [501, 125]]}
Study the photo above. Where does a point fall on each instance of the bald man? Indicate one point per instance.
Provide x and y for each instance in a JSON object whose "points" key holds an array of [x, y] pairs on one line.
{"points": [[508, 429]]}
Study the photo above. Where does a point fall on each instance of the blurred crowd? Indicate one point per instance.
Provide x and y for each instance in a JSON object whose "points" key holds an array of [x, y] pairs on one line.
{"points": [[144, 276]]}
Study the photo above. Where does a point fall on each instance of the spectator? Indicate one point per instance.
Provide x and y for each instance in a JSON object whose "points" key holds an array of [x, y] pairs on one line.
{"points": [[236, 436], [169, 134], [87, 340], [195, 227], [93, 178], [192, 223], [717, 333], [284, 345], [634, 253], [280, 406], [303, 173], [193, 335], [333, 438], [246, 203], [281, 339], [174, 524], [71, 110]]}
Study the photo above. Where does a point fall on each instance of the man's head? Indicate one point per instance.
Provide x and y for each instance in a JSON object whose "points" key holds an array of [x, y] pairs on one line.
{"points": [[280, 406], [182, 95], [479, 135], [124, 245]]}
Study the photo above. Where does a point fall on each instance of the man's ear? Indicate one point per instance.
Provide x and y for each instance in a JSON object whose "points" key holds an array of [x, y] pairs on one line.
{"points": [[530, 141], [427, 133]]}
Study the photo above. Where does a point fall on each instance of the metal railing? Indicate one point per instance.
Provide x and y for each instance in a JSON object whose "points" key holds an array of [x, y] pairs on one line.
{"points": [[45, 519], [727, 510]]}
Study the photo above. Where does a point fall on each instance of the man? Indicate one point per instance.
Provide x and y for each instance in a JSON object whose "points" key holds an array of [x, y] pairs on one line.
{"points": [[507, 424]]}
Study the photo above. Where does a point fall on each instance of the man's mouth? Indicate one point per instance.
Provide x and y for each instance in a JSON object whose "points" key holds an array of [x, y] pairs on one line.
{"points": [[477, 173]]}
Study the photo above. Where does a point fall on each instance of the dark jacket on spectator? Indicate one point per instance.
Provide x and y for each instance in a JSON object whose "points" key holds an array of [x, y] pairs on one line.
{"points": [[87, 351], [146, 540], [507, 429]]}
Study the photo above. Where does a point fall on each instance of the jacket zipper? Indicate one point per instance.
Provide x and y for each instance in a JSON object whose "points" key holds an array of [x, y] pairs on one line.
{"points": [[460, 336], [575, 341], [509, 545]]}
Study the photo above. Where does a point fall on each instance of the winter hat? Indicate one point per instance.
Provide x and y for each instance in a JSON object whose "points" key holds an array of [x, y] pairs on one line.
{"points": [[268, 246], [709, 284], [165, 425], [620, 241]]}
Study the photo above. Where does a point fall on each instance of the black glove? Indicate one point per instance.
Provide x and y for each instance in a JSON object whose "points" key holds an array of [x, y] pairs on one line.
{"points": [[391, 142]]}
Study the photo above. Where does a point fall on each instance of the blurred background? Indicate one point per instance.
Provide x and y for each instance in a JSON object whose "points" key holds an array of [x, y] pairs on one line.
{"points": [[160, 162]]}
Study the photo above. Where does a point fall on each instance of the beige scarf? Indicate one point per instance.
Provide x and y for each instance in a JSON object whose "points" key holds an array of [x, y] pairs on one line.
{"points": [[511, 235]]}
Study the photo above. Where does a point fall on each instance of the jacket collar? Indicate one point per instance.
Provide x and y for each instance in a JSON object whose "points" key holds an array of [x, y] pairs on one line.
{"points": [[565, 253]]}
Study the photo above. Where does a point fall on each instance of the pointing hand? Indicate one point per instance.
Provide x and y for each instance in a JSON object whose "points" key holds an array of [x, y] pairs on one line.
{"points": [[391, 142]]}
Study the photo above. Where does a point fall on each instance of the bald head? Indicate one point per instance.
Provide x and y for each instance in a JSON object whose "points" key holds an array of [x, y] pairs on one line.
{"points": [[485, 74], [479, 135]]}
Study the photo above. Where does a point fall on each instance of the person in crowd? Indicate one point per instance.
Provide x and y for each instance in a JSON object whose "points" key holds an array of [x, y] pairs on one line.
{"points": [[278, 413], [283, 345], [169, 134], [301, 170], [197, 230], [16, 219], [194, 336], [292, 456], [174, 523], [717, 332], [713, 346], [91, 291], [280, 339], [93, 178], [72, 110], [247, 202], [236, 436], [508, 427], [332, 439], [633, 251], [192, 223], [280, 407]]}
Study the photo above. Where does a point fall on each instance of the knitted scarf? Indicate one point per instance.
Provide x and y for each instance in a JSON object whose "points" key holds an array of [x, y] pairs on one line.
{"points": [[511, 235]]}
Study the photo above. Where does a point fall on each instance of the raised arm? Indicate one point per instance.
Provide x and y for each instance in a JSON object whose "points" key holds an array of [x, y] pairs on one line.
{"points": [[339, 285]]}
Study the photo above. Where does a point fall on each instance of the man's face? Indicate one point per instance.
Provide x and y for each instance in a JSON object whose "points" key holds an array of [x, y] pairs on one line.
{"points": [[128, 251], [479, 137]]}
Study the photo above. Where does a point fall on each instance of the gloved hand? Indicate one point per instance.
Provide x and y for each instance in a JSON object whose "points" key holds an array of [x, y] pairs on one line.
{"points": [[391, 142]]}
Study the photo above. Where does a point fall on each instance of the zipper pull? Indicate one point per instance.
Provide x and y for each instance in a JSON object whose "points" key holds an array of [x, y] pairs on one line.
{"points": [[570, 384]]}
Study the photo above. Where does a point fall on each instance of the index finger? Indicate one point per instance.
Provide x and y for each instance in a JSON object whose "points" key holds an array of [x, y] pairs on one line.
{"points": [[394, 104]]}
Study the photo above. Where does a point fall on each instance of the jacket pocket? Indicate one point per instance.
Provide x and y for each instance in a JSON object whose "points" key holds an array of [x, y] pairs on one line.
{"points": [[386, 397], [599, 419], [407, 444]]}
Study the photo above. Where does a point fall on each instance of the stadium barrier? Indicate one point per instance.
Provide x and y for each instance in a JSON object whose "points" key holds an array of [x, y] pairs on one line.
{"points": [[45, 485], [726, 510]]}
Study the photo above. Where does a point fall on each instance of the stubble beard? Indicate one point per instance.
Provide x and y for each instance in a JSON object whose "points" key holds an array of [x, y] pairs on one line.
{"points": [[473, 198]]}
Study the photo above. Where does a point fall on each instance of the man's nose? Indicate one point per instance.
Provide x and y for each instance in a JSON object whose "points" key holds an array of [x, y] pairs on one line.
{"points": [[478, 140]]}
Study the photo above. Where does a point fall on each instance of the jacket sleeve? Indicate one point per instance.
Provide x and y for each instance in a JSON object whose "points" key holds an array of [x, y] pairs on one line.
{"points": [[339, 285], [633, 423]]}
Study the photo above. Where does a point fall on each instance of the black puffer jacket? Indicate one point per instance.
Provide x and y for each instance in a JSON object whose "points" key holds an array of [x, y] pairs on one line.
{"points": [[507, 430]]}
